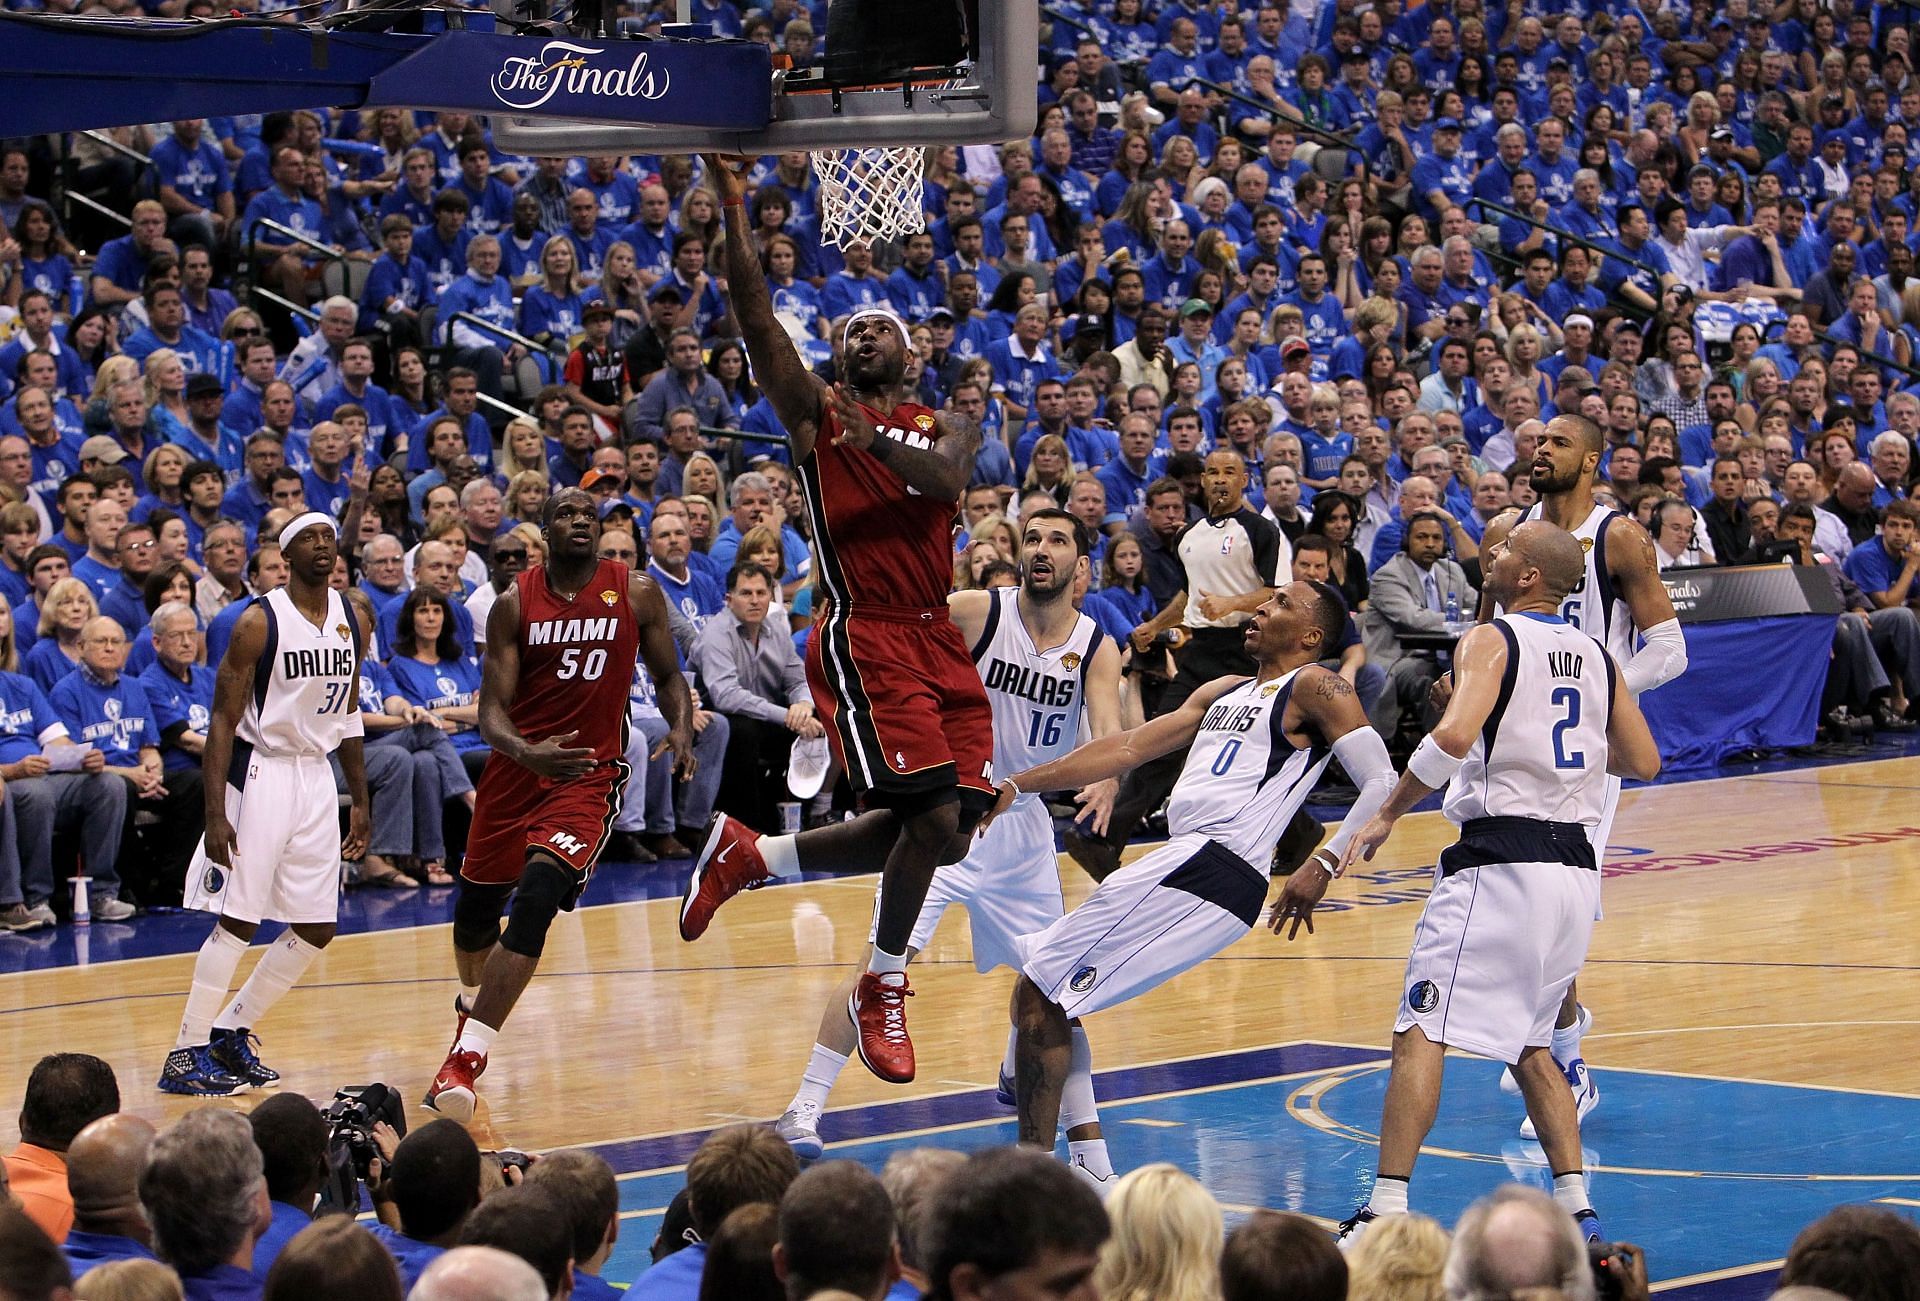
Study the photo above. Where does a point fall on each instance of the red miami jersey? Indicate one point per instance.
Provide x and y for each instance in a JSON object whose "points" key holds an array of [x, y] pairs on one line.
{"points": [[881, 543], [576, 660]]}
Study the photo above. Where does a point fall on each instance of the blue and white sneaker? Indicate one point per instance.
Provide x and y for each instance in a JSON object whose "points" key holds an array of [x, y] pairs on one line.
{"points": [[1582, 1023], [194, 1072], [1353, 1227], [1589, 1225], [1003, 1089], [1586, 1094], [232, 1051], [800, 1127]]}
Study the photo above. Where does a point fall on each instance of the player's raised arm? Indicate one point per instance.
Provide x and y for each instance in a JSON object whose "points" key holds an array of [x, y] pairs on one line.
{"points": [[552, 756], [658, 654], [1111, 756], [940, 472], [792, 389], [1636, 576], [230, 691], [1631, 749]]}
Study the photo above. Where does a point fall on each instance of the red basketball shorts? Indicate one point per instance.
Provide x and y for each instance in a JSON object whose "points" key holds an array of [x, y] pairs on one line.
{"points": [[902, 704], [516, 811]]}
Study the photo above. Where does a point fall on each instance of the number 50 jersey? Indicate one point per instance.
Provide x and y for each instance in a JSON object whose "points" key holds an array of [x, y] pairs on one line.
{"points": [[576, 660]]}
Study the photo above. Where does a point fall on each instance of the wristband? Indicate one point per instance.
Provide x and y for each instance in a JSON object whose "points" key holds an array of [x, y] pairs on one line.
{"points": [[1431, 765], [1008, 781], [1327, 860]]}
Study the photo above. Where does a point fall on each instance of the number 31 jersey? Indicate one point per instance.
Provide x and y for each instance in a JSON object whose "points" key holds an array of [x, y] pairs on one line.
{"points": [[1039, 698], [576, 660], [302, 702]]}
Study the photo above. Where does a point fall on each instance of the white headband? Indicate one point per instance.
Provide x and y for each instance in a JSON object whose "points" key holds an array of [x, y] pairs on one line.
{"points": [[301, 523], [1579, 318], [886, 314]]}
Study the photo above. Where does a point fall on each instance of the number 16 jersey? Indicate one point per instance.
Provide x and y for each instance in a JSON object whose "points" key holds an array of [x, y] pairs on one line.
{"points": [[1038, 697], [576, 660]]}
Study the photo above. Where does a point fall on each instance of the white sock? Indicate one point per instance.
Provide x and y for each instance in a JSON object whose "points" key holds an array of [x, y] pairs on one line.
{"points": [[469, 994], [1007, 1062], [477, 1037], [1091, 1153], [1570, 1193], [780, 855], [1076, 1098], [279, 968], [883, 963], [1566, 1042], [823, 1068], [212, 977], [1389, 1196]]}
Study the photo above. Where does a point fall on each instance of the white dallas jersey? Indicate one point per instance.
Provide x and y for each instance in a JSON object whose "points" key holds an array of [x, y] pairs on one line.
{"points": [[1039, 698], [1243, 780], [1542, 753], [302, 702], [1594, 607]]}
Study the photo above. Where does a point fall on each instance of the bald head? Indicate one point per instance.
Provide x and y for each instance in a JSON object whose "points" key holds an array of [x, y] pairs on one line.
{"points": [[1517, 1238], [1554, 552], [479, 1274], [103, 1173], [1587, 436]]}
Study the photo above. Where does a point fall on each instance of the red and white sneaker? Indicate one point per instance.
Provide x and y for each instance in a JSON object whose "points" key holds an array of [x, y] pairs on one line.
{"points": [[460, 1014], [452, 1094], [878, 1009], [729, 862]]}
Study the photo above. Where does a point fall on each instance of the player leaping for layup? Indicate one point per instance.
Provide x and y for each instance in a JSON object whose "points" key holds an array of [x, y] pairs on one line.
{"points": [[1620, 602], [561, 643], [891, 677]]}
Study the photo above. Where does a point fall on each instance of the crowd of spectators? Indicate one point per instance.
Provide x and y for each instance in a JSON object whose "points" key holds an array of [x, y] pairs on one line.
{"points": [[221, 1207], [1361, 250]]}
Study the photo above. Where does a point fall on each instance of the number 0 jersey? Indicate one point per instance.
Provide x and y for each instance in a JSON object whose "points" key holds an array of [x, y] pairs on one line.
{"points": [[303, 701], [576, 660], [1038, 697], [1542, 753], [1243, 780]]}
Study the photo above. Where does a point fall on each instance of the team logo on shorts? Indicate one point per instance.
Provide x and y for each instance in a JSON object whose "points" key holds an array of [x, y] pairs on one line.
{"points": [[608, 597], [214, 880], [1070, 661], [1424, 996], [1083, 979]]}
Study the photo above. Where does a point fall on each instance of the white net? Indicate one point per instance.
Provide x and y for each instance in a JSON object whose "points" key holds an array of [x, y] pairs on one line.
{"points": [[869, 194]]}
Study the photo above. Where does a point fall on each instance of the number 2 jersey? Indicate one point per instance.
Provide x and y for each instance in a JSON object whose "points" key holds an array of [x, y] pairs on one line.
{"points": [[576, 660], [1542, 753], [303, 702]]}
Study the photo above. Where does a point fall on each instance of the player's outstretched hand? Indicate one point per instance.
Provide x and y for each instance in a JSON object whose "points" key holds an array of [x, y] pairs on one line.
{"points": [[855, 429], [1300, 895], [1003, 796], [354, 844], [685, 763], [1366, 842], [556, 757], [1096, 804]]}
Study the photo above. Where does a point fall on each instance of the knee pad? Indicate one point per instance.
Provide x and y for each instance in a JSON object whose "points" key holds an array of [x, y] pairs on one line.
{"points": [[545, 888], [477, 910]]}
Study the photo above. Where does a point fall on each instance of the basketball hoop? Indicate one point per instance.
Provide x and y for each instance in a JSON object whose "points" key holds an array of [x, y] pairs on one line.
{"points": [[870, 195]]}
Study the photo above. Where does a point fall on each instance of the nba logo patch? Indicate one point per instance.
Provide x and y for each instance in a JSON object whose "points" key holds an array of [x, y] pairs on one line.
{"points": [[1083, 979], [1424, 996], [214, 880]]}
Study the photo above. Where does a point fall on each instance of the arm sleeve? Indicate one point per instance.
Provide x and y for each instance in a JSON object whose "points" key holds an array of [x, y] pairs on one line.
{"points": [[1363, 755], [1662, 659]]}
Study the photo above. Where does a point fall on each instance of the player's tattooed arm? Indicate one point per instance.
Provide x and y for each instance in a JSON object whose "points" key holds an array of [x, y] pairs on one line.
{"points": [[1331, 685], [940, 472]]}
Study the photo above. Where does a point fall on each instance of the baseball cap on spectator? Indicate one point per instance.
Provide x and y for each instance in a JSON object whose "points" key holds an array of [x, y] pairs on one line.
{"points": [[599, 307], [614, 506], [939, 314], [1195, 307], [593, 479], [1721, 21], [807, 764], [1447, 124], [1557, 61], [1071, 327], [1720, 133], [102, 448], [204, 385], [668, 287], [1294, 347], [1833, 101]]}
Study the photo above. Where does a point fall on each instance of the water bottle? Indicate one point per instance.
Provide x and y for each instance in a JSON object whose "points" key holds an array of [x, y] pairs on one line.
{"points": [[1453, 608]]}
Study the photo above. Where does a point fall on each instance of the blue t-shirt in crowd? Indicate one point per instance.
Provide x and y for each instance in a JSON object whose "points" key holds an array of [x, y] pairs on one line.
{"points": [[117, 719]]}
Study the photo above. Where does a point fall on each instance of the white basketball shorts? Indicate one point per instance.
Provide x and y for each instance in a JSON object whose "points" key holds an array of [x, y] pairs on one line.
{"points": [[286, 857], [1160, 914], [1497, 945], [1009, 885]]}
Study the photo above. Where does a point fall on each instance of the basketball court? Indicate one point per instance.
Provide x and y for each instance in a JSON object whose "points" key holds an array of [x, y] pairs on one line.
{"points": [[1755, 983]]}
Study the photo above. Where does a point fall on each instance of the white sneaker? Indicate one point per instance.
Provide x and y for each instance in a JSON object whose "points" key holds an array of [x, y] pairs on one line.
{"points": [[1582, 1022], [1101, 1187], [109, 908], [1586, 1094], [800, 1127]]}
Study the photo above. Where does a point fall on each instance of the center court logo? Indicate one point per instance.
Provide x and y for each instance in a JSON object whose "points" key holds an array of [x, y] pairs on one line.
{"points": [[529, 81]]}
